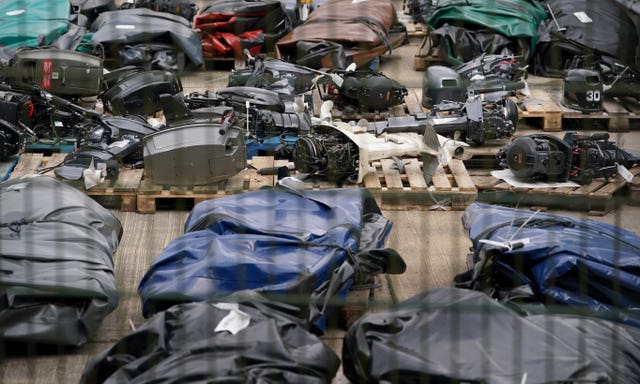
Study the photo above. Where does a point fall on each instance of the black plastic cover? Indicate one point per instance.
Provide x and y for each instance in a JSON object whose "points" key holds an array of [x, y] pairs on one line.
{"points": [[138, 92], [184, 345], [580, 26], [116, 29], [57, 279], [455, 45], [320, 54], [457, 336]]}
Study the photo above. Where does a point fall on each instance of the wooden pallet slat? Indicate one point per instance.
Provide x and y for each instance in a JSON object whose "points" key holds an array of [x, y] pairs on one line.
{"points": [[262, 162], [596, 197], [413, 101], [440, 180], [408, 189], [391, 174], [461, 176], [415, 176], [618, 114], [545, 109]]}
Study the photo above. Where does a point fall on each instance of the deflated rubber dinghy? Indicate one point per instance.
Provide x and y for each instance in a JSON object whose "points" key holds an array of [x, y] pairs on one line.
{"points": [[57, 279], [451, 335], [303, 248], [543, 262], [248, 341]]}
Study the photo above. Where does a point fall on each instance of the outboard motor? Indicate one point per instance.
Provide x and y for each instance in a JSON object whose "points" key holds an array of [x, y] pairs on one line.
{"points": [[441, 84], [583, 90], [579, 158]]}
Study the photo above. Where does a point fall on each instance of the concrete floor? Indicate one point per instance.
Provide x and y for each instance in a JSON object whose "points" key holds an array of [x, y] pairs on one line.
{"points": [[433, 244]]}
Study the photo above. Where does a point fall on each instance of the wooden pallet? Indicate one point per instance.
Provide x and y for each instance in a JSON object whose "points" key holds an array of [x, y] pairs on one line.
{"points": [[451, 188], [545, 105], [123, 187], [149, 193], [541, 110], [619, 114], [598, 197], [394, 189], [249, 179]]}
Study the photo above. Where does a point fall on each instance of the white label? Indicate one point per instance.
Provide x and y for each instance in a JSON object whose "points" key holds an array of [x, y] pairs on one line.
{"points": [[16, 12], [235, 321], [624, 172], [55, 75], [583, 17], [125, 26], [593, 95]]}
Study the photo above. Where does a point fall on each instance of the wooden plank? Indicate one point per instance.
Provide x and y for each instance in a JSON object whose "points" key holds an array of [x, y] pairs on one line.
{"points": [[146, 204], [463, 181], [413, 101], [372, 181], [28, 164], [391, 174], [588, 188], [147, 187], [128, 203], [208, 189], [128, 180], [547, 109], [239, 182], [440, 180], [415, 175], [260, 162]]}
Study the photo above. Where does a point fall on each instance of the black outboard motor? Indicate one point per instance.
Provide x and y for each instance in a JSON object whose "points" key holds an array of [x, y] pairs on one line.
{"points": [[364, 91], [15, 109], [327, 153], [583, 90], [579, 158]]}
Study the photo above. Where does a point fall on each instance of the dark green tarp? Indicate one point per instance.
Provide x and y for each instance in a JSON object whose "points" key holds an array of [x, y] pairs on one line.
{"points": [[31, 23], [517, 20]]}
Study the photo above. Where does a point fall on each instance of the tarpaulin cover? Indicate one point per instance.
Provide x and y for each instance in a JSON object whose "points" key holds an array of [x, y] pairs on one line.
{"points": [[239, 17], [457, 45], [603, 25], [569, 264], [117, 29], [31, 23], [458, 336], [304, 247], [366, 29], [517, 20], [193, 343], [56, 268]]}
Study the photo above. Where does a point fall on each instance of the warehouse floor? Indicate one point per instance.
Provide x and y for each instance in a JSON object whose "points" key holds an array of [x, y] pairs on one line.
{"points": [[433, 244]]}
